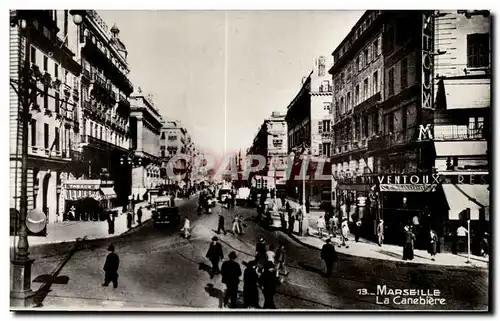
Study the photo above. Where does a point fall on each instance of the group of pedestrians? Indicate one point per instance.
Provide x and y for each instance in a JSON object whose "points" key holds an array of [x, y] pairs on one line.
{"points": [[261, 272]]}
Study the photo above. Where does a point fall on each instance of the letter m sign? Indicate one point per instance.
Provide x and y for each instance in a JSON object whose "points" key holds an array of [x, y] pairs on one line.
{"points": [[424, 132]]}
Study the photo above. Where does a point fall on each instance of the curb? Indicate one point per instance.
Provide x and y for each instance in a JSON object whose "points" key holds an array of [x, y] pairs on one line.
{"points": [[296, 239]]}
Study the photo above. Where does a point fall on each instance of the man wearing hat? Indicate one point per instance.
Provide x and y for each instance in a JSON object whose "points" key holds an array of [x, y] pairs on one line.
{"points": [[111, 267], [231, 273], [214, 255], [329, 255]]}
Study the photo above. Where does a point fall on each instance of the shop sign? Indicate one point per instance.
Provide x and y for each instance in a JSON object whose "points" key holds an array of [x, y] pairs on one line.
{"points": [[82, 186], [427, 59], [424, 132], [407, 188], [409, 179]]}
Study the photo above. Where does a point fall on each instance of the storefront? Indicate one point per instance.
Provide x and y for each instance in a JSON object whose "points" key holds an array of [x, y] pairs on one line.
{"points": [[460, 200], [88, 199]]}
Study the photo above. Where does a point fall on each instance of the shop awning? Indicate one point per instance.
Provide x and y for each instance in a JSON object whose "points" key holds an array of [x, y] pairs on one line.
{"points": [[108, 193], [460, 148], [463, 196], [467, 93]]}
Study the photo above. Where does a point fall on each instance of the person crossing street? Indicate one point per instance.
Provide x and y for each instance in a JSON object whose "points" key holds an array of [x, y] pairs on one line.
{"points": [[214, 255]]}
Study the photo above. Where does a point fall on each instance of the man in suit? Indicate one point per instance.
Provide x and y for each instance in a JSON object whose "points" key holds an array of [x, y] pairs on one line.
{"points": [[214, 255], [231, 273], [111, 268], [329, 255]]}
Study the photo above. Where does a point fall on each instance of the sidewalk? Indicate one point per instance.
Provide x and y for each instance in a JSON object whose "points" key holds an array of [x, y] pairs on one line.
{"points": [[69, 231], [368, 249]]}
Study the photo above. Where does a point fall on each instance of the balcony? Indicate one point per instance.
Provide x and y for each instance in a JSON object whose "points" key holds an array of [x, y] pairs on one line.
{"points": [[367, 104], [97, 143], [325, 89], [459, 133], [123, 106]]}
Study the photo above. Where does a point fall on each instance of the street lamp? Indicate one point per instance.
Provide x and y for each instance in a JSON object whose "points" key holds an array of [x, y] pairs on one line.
{"points": [[20, 291]]}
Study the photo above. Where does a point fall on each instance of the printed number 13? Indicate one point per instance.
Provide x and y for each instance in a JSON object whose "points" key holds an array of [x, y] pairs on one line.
{"points": [[362, 291]]}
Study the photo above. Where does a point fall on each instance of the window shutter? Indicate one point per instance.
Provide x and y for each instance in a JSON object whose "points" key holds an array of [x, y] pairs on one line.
{"points": [[370, 54], [320, 126], [379, 49]]}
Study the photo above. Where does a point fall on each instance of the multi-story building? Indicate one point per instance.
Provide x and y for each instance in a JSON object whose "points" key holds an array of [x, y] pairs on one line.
{"points": [[357, 75], [309, 121], [270, 142], [104, 120], [173, 142], [145, 130], [54, 107], [462, 120]]}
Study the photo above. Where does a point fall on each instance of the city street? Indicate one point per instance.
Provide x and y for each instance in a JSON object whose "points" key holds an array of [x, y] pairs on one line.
{"points": [[161, 270]]}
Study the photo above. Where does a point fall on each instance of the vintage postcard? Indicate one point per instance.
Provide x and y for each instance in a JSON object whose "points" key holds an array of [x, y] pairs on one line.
{"points": [[326, 160]]}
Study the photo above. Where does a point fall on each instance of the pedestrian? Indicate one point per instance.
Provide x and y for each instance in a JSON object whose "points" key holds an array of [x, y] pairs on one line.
{"points": [[332, 226], [299, 217], [380, 233], [231, 273], [260, 252], [236, 225], [408, 245], [139, 215], [186, 228], [214, 255], [344, 233], [291, 221], [111, 267], [462, 238], [321, 226], [280, 260], [129, 220], [269, 282], [111, 223], [220, 224], [433, 239], [329, 255], [250, 286], [270, 255]]}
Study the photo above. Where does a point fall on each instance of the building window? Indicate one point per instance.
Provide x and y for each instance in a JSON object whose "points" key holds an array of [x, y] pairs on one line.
{"points": [[163, 135], [342, 107], [366, 88], [365, 126], [326, 149], [348, 102], [57, 102], [342, 82], [358, 62], [56, 70], [56, 138], [46, 97], [327, 107], [390, 123], [33, 55], [162, 153], [390, 39], [171, 138], [375, 82], [91, 131], [348, 73], [45, 63], [391, 82], [356, 95], [404, 73], [375, 48], [366, 58], [46, 136], [478, 50], [375, 124], [33, 132], [326, 125]]}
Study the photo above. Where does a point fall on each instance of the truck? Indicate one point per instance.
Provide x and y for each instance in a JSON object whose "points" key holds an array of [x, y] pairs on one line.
{"points": [[165, 213]]}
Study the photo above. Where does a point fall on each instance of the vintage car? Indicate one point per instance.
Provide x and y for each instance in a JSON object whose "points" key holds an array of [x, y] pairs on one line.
{"points": [[242, 196], [223, 193], [165, 213]]}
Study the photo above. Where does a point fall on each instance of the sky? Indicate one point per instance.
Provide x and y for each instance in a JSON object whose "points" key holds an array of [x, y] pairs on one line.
{"points": [[221, 73]]}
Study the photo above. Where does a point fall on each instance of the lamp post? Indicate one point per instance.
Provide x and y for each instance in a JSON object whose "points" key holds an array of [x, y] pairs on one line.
{"points": [[21, 294], [304, 151]]}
